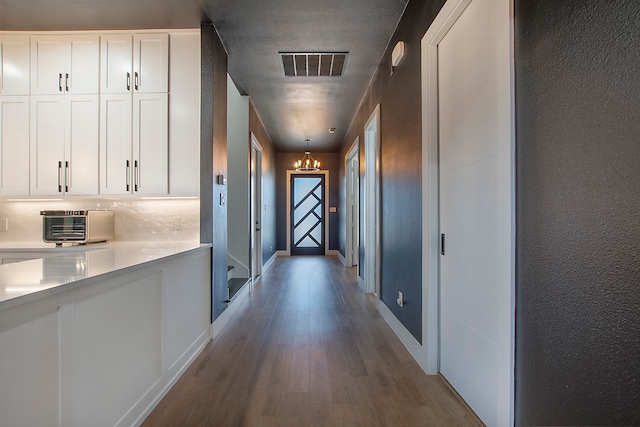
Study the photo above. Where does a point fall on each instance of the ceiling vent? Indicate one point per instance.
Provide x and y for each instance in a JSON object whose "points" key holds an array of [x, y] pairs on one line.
{"points": [[313, 64]]}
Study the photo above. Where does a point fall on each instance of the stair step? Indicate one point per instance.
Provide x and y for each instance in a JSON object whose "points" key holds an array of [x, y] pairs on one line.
{"points": [[235, 285]]}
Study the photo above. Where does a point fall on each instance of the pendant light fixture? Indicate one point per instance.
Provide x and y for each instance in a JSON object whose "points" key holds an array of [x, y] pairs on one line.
{"points": [[307, 163]]}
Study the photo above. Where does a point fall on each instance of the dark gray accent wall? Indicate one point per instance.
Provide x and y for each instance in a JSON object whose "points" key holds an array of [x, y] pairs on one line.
{"points": [[578, 212], [268, 227], [213, 161], [284, 162], [399, 96]]}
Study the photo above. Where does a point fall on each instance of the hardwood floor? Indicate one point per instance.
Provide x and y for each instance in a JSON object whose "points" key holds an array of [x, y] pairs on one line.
{"points": [[308, 348]]}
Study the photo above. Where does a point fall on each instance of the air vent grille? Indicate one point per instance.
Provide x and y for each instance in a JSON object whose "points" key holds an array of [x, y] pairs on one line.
{"points": [[313, 64]]}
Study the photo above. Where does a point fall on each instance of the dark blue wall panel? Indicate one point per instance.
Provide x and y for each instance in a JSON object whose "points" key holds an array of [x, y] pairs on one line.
{"points": [[399, 96], [578, 212]]}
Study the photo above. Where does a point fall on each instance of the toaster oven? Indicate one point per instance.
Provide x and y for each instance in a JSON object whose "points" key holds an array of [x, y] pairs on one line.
{"points": [[77, 226]]}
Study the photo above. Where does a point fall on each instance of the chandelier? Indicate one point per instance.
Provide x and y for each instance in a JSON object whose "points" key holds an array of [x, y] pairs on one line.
{"points": [[307, 163]]}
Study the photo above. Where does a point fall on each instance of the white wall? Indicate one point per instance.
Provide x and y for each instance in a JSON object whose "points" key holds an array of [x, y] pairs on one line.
{"points": [[238, 203], [135, 219]]}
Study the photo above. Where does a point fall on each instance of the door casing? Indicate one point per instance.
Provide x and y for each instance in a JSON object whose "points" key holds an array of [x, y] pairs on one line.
{"points": [[256, 209], [352, 217], [371, 224]]}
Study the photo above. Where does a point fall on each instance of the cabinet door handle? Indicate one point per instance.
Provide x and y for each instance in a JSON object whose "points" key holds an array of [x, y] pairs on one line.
{"points": [[136, 175], [67, 82], [136, 74], [128, 176], [59, 177], [66, 177], [128, 83], [60, 82]]}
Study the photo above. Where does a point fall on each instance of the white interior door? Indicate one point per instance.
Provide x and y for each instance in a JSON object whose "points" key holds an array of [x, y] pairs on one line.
{"points": [[473, 296]]}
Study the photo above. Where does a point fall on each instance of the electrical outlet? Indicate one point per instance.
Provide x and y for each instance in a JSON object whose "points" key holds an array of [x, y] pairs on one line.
{"points": [[177, 225], [400, 299], [4, 224]]}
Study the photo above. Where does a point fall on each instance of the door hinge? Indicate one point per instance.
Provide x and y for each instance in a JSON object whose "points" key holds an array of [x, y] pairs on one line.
{"points": [[442, 244]]}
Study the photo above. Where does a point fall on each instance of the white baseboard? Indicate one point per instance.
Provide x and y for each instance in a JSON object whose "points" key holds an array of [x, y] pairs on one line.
{"points": [[415, 348], [341, 258], [226, 315], [331, 252], [160, 390], [361, 284], [283, 253], [269, 263]]}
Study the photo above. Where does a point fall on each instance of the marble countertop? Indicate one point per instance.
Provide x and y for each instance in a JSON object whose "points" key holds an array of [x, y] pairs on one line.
{"points": [[69, 267]]}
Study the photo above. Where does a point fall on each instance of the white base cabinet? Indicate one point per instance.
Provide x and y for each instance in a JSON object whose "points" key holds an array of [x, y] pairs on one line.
{"points": [[104, 354]]}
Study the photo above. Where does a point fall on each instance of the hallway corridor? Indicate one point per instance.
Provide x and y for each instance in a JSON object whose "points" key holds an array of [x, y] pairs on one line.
{"points": [[308, 348]]}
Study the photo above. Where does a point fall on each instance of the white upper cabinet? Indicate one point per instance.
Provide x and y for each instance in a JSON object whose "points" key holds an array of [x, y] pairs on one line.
{"points": [[134, 114], [150, 144], [116, 147], [135, 63], [116, 71], [184, 119], [14, 65], [14, 145], [134, 144], [151, 63], [65, 64], [64, 145]]}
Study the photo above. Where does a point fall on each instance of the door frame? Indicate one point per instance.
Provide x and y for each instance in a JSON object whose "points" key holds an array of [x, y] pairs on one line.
{"points": [[429, 354], [291, 172], [255, 217], [353, 209], [372, 203]]}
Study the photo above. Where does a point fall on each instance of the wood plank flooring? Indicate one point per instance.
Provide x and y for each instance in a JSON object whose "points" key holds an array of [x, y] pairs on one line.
{"points": [[308, 348]]}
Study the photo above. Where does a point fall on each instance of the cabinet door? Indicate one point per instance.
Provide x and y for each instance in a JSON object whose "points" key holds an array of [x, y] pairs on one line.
{"points": [[116, 68], [49, 56], [116, 166], [83, 65], [65, 64], [151, 63], [47, 144], [81, 145], [150, 144], [14, 65], [14, 145]]}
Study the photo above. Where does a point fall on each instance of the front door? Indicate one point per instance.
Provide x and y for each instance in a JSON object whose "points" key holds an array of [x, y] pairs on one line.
{"points": [[307, 215]]}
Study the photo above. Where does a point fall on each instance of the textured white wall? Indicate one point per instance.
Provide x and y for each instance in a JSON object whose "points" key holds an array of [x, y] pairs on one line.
{"points": [[134, 219]]}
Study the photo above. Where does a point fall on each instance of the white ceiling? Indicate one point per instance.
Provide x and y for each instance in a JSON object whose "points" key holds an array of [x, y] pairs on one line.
{"points": [[254, 32]]}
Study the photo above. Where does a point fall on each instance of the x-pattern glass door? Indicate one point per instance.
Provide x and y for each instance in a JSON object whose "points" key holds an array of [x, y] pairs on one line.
{"points": [[307, 215]]}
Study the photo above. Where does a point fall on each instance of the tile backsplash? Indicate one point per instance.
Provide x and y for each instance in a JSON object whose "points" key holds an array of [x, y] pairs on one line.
{"points": [[135, 219]]}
